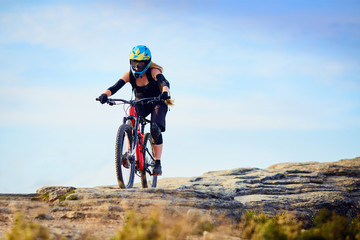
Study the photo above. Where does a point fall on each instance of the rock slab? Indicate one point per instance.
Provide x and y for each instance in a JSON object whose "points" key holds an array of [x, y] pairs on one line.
{"points": [[298, 188]]}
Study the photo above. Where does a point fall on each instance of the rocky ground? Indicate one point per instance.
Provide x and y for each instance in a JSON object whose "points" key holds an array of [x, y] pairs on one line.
{"points": [[299, 188]]}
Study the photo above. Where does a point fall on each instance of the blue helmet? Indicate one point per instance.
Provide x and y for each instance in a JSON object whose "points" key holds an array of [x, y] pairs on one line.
{"points": [[140, 59]]}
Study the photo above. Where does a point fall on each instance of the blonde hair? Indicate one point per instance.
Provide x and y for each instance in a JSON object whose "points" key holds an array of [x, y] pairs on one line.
{"points": [[154, 65], [158, 67]]}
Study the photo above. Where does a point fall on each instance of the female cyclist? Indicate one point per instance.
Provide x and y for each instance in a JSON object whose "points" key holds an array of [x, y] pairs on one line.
{"points": [[147, 80]]}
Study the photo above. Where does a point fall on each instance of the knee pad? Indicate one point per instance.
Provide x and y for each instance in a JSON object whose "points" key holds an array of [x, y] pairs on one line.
{"points": [[156, 134]]}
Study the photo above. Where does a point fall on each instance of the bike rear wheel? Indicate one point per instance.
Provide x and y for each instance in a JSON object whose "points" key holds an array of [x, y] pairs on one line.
{"points": [[124, 161], [147, 179]]}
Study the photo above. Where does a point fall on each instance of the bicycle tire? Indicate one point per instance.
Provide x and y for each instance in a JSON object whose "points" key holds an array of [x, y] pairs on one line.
{"points": [[149, 162], [124, 163]]}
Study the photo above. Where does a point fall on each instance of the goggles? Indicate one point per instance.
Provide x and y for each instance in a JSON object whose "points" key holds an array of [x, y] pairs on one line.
{"points": [[138, 66]]}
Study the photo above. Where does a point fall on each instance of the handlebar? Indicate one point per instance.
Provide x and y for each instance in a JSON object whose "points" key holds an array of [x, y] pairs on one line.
{"points": [[112, 101]]}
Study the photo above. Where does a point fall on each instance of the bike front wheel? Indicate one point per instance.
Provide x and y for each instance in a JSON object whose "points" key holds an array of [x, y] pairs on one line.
{"points": [[147, 179], [124, 161]]}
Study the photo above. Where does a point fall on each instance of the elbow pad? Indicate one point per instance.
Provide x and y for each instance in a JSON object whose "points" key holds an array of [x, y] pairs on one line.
{"points": [[117, 86], [162, 80]]}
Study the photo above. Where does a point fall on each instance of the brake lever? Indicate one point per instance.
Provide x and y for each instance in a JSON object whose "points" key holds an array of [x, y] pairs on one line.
{"points": [[111, 102]]}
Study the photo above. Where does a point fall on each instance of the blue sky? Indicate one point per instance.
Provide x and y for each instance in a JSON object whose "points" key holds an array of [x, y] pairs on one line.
{"points": [[255, 83]]}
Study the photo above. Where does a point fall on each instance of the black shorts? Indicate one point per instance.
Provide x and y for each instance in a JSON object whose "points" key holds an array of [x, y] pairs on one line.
{"points": [[158, 113]]}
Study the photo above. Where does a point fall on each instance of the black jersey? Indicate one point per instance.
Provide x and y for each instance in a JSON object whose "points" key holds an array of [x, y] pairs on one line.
{"points": [[150, 90]]}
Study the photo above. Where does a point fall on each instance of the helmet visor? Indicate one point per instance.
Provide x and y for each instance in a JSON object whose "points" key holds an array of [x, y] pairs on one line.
{"points": [[138, 66]]}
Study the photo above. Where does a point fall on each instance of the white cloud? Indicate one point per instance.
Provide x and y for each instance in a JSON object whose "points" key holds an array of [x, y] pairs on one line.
{"points": [[53, 107], [258, 113], [194, 65], [57, 26], [213, 52]]}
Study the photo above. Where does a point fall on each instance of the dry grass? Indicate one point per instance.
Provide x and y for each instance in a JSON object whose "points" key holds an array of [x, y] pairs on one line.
{"points": [[160, 225]]}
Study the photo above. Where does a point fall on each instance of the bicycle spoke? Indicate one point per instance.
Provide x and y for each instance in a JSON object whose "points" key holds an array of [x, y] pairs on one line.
{"points": [[147, 178], [150, 155], [125, 166]]}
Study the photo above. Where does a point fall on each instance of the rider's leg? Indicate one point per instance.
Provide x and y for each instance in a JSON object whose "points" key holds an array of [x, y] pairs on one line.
{"points": [[157, 127], [157, 147], [156, 133], [157, 154], [157, 151]]}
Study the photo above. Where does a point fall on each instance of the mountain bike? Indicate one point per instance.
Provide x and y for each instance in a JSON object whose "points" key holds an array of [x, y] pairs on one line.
{"points": [[133, 149]]}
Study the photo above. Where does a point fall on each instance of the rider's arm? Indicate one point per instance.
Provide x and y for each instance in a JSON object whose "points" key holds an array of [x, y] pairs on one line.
{"points": [[164, 86], [119, 84], [159, 77], [163, 82]]}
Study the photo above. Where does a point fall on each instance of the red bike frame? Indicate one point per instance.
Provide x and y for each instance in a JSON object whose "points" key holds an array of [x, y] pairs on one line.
{"points": [[139, 147]]}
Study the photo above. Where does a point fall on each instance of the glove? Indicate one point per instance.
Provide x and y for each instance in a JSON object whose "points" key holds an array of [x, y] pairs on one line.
{"points": [[103, 98], [164, 96]]}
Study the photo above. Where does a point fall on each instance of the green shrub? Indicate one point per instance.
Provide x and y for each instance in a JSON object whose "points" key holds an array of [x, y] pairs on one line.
{"points": [[139, 227], [63, 197], [27, 230], [327, 226], [260, 226], [157, 225], [331, 226], [42, 197]]}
